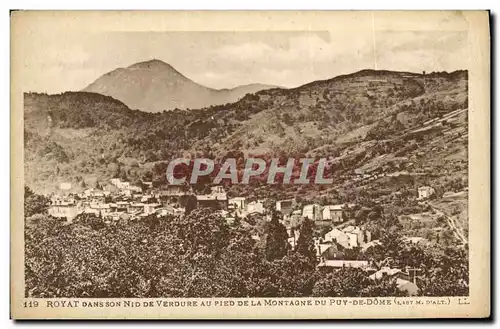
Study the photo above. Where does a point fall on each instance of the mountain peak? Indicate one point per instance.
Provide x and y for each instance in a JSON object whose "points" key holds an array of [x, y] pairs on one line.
{"points": [[151, 64], [154, 85]]}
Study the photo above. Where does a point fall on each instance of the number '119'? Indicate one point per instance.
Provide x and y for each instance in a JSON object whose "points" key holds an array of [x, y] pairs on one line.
{"points": [[31, 303]]}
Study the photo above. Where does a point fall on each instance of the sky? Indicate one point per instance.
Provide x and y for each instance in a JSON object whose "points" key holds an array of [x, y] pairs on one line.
{"points": [[70, 61]]}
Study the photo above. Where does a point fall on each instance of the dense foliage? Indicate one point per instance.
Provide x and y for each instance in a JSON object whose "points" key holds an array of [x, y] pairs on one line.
{"points": [[200, 255], [34, 203]]}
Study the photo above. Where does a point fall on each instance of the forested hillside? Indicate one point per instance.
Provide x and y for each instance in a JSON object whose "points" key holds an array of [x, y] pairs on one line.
{"points": [[366, 121]]}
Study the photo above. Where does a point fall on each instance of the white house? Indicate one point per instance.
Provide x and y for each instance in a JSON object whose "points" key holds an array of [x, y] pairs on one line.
{"points": [[64, 209], [150, 208], [333, 213], [255, 206], [312, 211], [338, 263], [170, 210], [239, 202], [357, 236], [349, 237], [425, 192], [336, 235], [219, 192]]}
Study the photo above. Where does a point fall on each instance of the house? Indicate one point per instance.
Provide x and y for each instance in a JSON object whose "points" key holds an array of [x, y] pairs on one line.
{"points": [[135, 189], [146, 198], [217, 199], [348, 237], [312, 211], [174, 190], [97, 209], [424, 192], [97, 197], [255, 207], [327, 250], [238, 202], [285, 206], [116, 216], [370, 244], [150, 208], [137, 196], [210, 201], [357, 236], [122, 206], [389, 272], [131, 190], [135, 207], [88, 192], [218, 189], [339, 263], [333, 213], [403, 279], [64, 209], [170, 210], [119, 184], [336, 235]]}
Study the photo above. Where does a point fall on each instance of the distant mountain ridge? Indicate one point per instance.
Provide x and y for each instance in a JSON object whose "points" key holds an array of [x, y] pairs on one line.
{"points": [[155, 86]]}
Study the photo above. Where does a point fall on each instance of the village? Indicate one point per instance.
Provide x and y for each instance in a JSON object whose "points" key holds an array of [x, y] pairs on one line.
{"points": [[120, 200]]}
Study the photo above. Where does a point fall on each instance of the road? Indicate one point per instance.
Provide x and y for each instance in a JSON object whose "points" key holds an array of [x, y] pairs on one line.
{"points": [[452, 224]]}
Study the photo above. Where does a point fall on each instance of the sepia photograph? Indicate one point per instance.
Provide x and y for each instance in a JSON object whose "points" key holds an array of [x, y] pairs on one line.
{"points": [[272, 167]]}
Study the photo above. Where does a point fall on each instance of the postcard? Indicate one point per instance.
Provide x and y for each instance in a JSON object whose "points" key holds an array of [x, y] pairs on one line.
{"points": [[250, 164]]}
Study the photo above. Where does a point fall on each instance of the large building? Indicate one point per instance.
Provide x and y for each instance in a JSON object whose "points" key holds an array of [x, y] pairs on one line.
{"points": [[217, 199], [64, 208], [312, 211], [348, 237]]}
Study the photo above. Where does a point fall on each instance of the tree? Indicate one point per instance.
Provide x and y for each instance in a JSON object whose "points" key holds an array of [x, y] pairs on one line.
{"points": [[291, 276], [277, 239], [386, 287], [305, 242], [34, 203], [191, 203], [449, 275], [346, 282]]}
